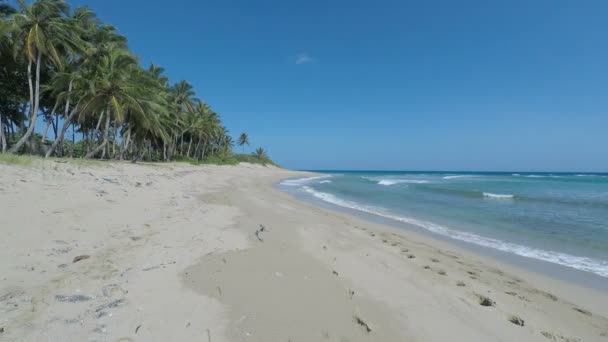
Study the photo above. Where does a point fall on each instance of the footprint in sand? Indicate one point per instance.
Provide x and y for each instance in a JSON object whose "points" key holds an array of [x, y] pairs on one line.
{"points": [[583, 311], [485, 301], [559, 338], [516, 320]]}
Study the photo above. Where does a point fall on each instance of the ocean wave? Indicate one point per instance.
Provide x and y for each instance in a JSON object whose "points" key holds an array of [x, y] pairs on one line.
{"points": [[599, 267], [302, 181], [393, 181], [324, 181], [400, 181], [458, 176], [542, 176], [498, 196]]}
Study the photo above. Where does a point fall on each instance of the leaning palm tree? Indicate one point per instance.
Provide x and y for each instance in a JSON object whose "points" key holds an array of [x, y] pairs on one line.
{"points": [[243, 140], [41, 31]]}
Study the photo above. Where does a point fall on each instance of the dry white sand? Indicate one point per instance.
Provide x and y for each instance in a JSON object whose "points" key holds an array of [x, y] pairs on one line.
{"points": [[173, 255]]}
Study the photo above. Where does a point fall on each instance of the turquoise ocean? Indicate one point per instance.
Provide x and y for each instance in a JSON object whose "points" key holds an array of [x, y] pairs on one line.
{"points": [[561, 218]]}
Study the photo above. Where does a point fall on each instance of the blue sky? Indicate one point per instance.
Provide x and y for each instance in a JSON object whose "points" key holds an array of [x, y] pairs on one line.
{"points": [[410, 85]]}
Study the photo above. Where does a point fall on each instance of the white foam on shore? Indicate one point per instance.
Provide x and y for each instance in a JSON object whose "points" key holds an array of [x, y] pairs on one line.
{"points": [[458, 176], [401, 181], [498, 196], [393, 181], [542, 176], [302, 181], [599, 267]]}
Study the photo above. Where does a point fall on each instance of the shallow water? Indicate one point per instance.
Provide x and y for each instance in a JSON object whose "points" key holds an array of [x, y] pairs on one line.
{"points": [[556, 217]]}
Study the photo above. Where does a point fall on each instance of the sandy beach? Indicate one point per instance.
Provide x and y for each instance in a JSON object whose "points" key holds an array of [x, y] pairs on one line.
{"points": [[173, 252]]}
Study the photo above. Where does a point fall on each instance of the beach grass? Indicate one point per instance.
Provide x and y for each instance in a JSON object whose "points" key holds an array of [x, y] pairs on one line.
{"points": [[17, 159], [28, 159]]}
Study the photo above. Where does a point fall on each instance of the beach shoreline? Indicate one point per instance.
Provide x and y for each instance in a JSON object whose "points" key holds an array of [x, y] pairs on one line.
{"points": [[178, 252], [521, 263]]}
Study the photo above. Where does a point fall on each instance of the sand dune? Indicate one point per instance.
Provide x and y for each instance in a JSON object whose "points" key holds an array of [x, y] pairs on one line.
{"points": [[169, 252]]}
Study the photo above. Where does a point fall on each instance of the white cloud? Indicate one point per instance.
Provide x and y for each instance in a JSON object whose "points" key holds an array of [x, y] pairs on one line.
{"points": [[303, 58]]}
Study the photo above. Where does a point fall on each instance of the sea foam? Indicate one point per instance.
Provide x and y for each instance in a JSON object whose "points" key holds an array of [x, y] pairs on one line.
{"points": [[596, 266], [393, 181], [401, 181], [458, 176], [302, 181], [498, 196]]}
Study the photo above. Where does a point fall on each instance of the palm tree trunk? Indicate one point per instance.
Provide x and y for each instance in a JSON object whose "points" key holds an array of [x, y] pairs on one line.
{"points": [[46, 130], [34, 101], [2, 137], [105, 139], [99, 122], [204, 147], [125, 144], [48, 123], [198, 145], [189, 145], [55, 125], [181, 146], [115, 131], [73, 140], [59, 139]]}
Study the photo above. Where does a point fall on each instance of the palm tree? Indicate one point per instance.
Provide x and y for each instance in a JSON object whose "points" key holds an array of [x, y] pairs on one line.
{"points": [[260, 153], [243, 140], [7, 88], [41, 31], [183, 102], [78, 72], [113, 92]]}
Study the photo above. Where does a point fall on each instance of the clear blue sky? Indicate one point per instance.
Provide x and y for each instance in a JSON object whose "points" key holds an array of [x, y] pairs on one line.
{"points": [[410, 85]]}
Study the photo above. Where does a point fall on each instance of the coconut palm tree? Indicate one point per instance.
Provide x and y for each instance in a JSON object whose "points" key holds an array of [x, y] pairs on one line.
{"points": [[243, 140], [183, 102], [260, 153], [112, 92], [41, 31], [78, 72]]}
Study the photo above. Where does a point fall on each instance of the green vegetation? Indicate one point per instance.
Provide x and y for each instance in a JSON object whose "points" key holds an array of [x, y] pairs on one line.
{"points": [[232, 159], [8, 158], [72, 73]]}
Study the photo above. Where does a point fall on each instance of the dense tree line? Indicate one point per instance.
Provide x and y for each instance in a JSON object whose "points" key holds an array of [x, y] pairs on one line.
{"points": [[63, 68]]}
